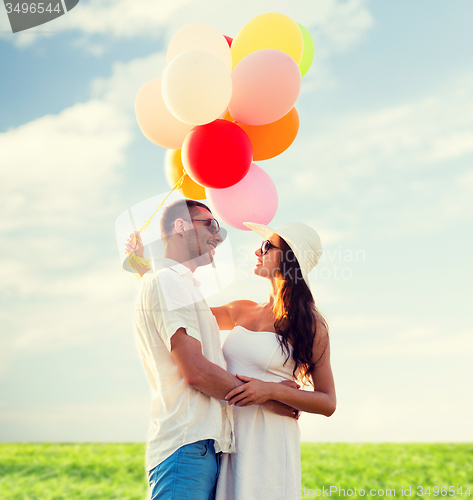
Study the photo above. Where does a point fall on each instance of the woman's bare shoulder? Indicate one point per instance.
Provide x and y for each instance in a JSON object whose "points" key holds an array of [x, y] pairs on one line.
{"points": [[242, 305], [240, 308], [232, 311]]}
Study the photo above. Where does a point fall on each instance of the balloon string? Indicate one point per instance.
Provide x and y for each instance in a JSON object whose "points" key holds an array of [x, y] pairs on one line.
{"points": [[177, 186], [131, 257]]}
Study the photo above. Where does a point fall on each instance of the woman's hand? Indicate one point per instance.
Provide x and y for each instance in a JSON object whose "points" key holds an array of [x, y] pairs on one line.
{"points": [[291, 383], [253, 392], [134, 244]]}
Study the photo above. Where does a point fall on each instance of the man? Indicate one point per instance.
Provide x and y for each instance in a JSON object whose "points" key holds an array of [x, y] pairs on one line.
{"points": [[179, 341]]}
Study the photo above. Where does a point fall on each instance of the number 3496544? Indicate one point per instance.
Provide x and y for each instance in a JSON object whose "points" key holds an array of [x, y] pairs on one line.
{"points": [[33, 8], [442, 491]]}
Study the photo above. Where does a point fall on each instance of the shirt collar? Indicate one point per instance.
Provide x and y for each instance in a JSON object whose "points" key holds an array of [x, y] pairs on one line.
{"points": [[181, 269]]}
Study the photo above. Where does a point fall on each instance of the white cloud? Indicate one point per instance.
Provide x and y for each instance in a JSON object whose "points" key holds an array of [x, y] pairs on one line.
{"points": [[373, 336], [104, 421], [58, 166], [439, 346], [122, 18], [404, 169], [393, 417], [459, 202], [364, 322], [415, 135], [122, 86], [346, 23], [31, 330], [115, 18], [336, 24], [434, 205], [416, 332], [60, 174], [398, 379], [101, 280]]}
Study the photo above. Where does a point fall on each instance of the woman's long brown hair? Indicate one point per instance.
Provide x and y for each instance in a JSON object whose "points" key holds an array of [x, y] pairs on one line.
{"points": [[296, 315]]}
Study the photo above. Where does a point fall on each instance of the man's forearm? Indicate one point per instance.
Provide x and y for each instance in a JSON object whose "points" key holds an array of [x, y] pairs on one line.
{"points": [[213, 380], [202, 374]]}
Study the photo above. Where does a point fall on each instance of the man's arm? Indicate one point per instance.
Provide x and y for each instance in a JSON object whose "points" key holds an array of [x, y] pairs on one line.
{"points": [[197, 370], [207, 377]]}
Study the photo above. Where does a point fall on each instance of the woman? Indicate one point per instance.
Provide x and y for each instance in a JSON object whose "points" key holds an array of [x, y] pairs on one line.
{"points": [[283, 338]]}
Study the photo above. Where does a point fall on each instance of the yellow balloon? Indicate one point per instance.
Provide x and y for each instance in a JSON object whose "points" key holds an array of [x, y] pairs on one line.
{"points": [[174, 171], [268, 31]]}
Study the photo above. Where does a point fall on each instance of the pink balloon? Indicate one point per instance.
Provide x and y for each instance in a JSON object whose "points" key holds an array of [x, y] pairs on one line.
{"points": [[266, 84], [253, 199]]}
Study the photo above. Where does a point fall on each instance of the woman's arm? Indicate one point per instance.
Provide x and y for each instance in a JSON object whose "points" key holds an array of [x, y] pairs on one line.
{"points": [[227, 316], [223, 315], [321, 400]]}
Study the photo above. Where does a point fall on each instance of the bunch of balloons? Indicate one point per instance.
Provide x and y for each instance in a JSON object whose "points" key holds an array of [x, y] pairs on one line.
{"points": [[222, 104]]}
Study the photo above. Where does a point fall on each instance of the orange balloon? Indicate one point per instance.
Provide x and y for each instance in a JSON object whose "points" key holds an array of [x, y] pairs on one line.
{"points": [[272, 139], [174, 171]]}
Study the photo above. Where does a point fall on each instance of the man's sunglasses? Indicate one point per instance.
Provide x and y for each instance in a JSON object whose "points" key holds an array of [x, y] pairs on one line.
{"points": [[212, 224], [266, 247]]}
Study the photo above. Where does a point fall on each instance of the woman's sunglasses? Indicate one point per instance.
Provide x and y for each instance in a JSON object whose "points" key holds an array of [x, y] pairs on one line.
{"points": [[212, 224], [266, 247]]}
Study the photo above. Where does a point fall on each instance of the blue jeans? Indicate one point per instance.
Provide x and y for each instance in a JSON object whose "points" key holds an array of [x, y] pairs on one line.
{"points": [[191, 472]]}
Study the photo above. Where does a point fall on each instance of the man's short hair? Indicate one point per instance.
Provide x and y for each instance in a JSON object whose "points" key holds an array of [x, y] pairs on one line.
{"points": [[179, 209]]}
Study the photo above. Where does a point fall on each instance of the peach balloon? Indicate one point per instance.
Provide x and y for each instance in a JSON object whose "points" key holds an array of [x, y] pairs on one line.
{"points": [[199, 36], [266, 84], [156, 122], [272, 139], [174, 170], [254, 198]]}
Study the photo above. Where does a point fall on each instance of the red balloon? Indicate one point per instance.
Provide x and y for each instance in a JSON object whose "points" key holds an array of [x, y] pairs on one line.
{"points": [[217, 155], [229, 40]]}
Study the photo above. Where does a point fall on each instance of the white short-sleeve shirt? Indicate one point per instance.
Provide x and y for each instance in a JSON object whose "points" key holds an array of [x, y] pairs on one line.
{"points": [[169, 298]]}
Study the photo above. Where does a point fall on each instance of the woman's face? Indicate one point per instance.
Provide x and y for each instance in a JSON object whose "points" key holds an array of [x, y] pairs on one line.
{"points": [[267, 265]]}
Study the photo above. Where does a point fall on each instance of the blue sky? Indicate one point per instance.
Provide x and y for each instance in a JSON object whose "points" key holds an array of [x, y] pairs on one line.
{"points": [[382, 168]]}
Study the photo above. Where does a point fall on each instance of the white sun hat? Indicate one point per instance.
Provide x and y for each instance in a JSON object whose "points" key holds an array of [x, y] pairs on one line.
{"points": [[303, 240]]}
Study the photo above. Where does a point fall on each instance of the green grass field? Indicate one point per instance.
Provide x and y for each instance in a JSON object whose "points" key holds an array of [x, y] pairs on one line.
{"points": [[116, 471]]}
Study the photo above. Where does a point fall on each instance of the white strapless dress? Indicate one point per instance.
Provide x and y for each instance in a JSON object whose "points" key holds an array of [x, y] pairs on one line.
{"points": [[267, 464]]}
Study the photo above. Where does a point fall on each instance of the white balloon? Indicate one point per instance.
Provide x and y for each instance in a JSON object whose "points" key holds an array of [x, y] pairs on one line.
{"points": [[197, 87], [199, 36]]}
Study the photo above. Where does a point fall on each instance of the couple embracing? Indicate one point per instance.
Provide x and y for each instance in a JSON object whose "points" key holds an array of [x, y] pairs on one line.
{"points": [[224, 424]]}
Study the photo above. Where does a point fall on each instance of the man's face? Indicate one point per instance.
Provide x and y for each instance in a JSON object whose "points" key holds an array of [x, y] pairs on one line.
{"points": [[200, 240]]}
